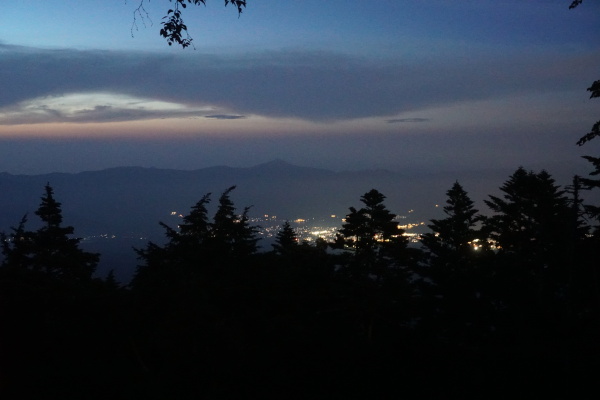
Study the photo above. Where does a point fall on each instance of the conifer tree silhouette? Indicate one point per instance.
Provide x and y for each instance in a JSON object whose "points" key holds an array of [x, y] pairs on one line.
{"points": [[372, 235], [231, 234], [286, 240], [532, 219], [198, 243], [51, 249], [456, 279], [454, 238], [532, 229]]}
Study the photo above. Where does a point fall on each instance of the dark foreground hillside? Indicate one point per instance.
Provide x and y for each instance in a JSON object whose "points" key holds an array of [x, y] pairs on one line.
{"points": [[489, 307], [278, 331]]}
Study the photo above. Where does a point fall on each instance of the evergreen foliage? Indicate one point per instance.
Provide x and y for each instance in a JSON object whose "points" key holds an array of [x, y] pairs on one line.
{"points": [[533, 220], [50, 250], [373, 236], [231, 234], [534, 228], [456, 273], [454, 239], [286, 241], [199, 243], [208, 316]]}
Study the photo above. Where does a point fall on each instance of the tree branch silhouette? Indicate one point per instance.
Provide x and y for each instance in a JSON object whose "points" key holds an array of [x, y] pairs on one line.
{"points": [[575, 3], [174, 29]]}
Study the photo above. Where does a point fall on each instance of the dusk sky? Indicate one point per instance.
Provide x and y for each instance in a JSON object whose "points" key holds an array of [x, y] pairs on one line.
{"points": [[340, 84]]}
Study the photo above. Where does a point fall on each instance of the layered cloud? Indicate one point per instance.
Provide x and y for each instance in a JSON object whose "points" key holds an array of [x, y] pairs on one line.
{"points": [[225, 116], [94, 107], [41, 85]]}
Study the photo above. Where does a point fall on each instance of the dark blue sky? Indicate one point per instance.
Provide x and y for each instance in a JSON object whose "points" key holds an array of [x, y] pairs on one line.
{"points": [[436, 84]]}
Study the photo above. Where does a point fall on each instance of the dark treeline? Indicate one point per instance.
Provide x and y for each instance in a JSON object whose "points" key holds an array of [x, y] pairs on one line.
{"points": [[487, 306]]}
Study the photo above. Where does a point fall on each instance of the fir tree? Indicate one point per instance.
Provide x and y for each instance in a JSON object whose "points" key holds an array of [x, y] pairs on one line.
{"points": [[50, 249], [456, 280], [56, 251], [245, 242], [187, 243], [376, 280], [286, 240], [224, 225], [372, 234], [197, 244], [231, 234], [532, 221], [453, 240], [533, 229], [196, 224]]}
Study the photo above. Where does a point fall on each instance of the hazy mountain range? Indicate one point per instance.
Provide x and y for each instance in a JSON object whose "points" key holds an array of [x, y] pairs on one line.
{"points": [[128, 202]]}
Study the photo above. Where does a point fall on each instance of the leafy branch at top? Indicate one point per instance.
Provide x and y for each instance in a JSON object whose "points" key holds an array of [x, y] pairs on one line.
{"points": [[174, 29]]}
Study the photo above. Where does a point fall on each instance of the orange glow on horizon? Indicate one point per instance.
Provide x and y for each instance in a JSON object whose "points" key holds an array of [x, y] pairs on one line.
{"points": [[190, 127]]}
